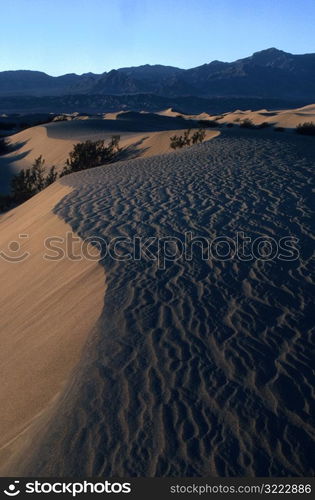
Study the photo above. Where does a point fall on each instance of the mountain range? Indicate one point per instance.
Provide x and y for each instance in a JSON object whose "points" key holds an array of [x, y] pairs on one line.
{"points": [[269, 74]]}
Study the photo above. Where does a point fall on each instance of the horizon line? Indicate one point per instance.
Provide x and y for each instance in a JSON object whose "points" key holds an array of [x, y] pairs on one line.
{"points": [[151, 65]]}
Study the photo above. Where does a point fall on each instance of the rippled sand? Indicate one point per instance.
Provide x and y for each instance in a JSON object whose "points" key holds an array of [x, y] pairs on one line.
{"points": [[203, 368]]}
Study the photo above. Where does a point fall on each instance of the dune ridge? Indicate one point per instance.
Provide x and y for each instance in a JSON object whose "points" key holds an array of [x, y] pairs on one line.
{"points": [[203, 368], [55, 140], [286, 118], [143, 134], [48, 310]]}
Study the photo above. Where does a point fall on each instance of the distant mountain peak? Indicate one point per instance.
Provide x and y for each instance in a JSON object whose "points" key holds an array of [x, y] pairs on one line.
{"points": [[271, 51], [271, 55]]}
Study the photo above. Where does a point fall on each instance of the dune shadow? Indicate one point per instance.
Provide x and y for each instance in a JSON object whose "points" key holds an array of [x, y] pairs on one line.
{"points": [[268, 114], [7, 169], [132, 122], [194, 344], [133, 151], [15, 146]]}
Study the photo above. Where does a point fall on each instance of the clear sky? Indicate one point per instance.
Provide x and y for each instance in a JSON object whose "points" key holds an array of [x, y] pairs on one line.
{"points": [[77, 36]]}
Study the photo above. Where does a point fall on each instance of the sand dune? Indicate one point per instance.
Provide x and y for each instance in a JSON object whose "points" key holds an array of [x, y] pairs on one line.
{"points": [[48, 309], [280, 118], [54, 141], [204, 367], [287, 118], [142, 134], [170, 112]]}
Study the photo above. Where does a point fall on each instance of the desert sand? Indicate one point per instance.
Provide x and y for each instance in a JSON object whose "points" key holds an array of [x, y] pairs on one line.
{"points": [[201, 368], [48, 309], [286, 118], [54, 141], [171, 113], [142, 134]]}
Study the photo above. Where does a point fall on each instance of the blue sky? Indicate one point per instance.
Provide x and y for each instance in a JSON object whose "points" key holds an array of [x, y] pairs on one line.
{"points": [[76, 36]]}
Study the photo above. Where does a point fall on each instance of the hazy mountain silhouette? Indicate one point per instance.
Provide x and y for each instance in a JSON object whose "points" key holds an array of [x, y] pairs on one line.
{"points": [[270, 73]]}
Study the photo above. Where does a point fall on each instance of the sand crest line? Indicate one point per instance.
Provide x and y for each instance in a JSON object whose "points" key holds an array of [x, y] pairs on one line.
{"points": [[184, 360], [42, 331]]}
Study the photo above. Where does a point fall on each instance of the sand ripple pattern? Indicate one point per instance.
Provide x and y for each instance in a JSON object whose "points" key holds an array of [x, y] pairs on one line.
{"points": [[203, 368]]}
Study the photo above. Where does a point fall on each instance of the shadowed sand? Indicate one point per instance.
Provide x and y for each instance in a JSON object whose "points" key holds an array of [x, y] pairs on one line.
{"points": [[203, 368], [286, 118], [48, 309], [141, 135]]}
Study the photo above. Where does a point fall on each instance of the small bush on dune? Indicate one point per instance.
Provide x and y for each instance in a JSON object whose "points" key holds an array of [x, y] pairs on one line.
{"points": [[176, 141], [51, 177], [22, 186], [279, 129], [90, 154], [179, 141], [307, 128], [114, 143], [31, 181], [198, 136], [263, 125], [247, 123], [187, 138]]}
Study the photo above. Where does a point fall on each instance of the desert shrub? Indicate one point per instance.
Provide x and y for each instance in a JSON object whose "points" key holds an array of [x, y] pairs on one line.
{"points": [[4, 148], [279, 129], [198, 136], [22, 186], [114, 143], [187, 138], [31, 181], [90, 154], [178, 141], [263, 125], [51, 177], [307, 128], [38, 174], [247, 123]]}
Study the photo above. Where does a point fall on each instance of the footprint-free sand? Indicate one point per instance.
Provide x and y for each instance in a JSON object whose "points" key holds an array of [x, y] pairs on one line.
{"points": [[201, 368]]}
